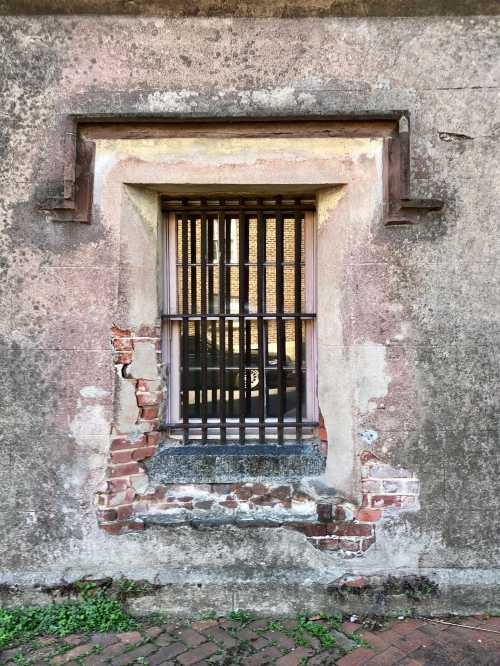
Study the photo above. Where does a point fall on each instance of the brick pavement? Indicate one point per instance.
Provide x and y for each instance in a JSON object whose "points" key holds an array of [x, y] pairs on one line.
{"points": [[408, 642]]}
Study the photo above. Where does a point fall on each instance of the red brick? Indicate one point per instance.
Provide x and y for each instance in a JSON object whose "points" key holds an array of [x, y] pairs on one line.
{"points": [[199, 653], [153, 438], [122, 344], [107, 514], [229, 504], [124, 512], [243, 492], [311, 529], [149, 413], [406, 626], [72, 654], [129, 637], [120, 457], [259, 489], [112, 528], [359, 657], [117, 485], [387, 658], [367, 542], [148, 424], [120, 332], [204, 504], [369, 515], [411, 642], [350, 627], [325, 544], [349, 529], [351, 546], [148, 399], [136, 525], [368, 456], [123, 358], [124, 470], [146, 452], [281, 492], [340, 513], [357, 583]]}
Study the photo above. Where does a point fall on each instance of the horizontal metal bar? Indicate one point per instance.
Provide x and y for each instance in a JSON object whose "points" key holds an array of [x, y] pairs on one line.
{"points": [[235, 424], [268, 209], [250, 315]]}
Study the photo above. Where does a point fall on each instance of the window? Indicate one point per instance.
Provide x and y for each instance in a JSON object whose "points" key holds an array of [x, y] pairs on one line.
{"points": [[240, 320]]}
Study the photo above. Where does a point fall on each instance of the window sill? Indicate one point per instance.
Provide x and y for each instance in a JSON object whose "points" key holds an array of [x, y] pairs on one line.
{"points": [[215, 463]]}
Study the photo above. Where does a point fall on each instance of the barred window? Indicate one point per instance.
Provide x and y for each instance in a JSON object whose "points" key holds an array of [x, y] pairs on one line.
{"points": [[239, 320]]}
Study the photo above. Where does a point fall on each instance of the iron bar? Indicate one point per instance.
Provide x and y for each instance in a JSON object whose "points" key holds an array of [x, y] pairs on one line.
{"points": [[185, 330], [261, 305], [298, 324], [222, 330], [280, 330], [241, 324], [203, 308]]}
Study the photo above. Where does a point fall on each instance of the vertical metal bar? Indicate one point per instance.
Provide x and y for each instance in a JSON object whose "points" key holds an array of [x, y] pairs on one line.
{"points": [[194, 301], [279, 322], [185, 330], [203, 307], [211, 306], [230, 324], [241, 323], [222, 329], [298, 324], [261, 300]]}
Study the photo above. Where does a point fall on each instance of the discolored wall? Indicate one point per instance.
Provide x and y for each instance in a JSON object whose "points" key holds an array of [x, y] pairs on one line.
{"points": [[62, 289]]}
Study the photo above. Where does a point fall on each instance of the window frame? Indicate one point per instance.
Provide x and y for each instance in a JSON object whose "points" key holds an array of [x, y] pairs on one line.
{"points": [[172, 331]]}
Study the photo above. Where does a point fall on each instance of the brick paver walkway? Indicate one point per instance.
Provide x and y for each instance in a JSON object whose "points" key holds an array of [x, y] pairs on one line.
{"points": [[269, 641]]}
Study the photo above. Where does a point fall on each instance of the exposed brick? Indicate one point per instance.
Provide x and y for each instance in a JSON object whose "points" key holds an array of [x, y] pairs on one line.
{"points": [[243, 492], [148, 425], [122, 344], [120, 457], [112, 528], [136, 525], [349, 529], [340, 513], [146, 452], [129, 637], [148, 399], [259, 489], [350, 546], [149, 413], [372, 486], [153, 438], [380, 470], [107, 514], [204, 504], [124, 470], [369, 515], [117, 332], [281, 492], [324, 512], [229, 504], [325, 544], [123, 358], [367, 542], [312, 529], [357, 583]]}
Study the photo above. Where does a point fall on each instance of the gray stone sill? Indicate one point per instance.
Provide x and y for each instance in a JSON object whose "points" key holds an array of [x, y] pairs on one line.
{"points": [[232, 463]]}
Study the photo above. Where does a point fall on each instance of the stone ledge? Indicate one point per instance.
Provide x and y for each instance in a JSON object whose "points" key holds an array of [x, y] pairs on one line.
{"points": [[230, 463]]}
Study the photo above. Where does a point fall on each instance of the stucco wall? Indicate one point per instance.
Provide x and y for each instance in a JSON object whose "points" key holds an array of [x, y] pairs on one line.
{"points": [[443, 276]]}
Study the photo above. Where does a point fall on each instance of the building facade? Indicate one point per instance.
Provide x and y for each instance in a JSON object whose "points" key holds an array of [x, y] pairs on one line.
{"points": [[249, 307]]}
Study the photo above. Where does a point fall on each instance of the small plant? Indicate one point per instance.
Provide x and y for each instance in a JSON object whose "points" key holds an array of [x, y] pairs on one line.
{"points": [[240, 616], [317, 630], [95, 612]]}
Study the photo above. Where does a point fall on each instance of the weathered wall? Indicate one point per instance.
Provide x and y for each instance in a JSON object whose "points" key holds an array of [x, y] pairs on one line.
{"points": [[60, 284]]}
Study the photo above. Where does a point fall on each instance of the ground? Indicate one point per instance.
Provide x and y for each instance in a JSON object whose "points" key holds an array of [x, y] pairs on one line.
{"points": [[286, 642]]}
